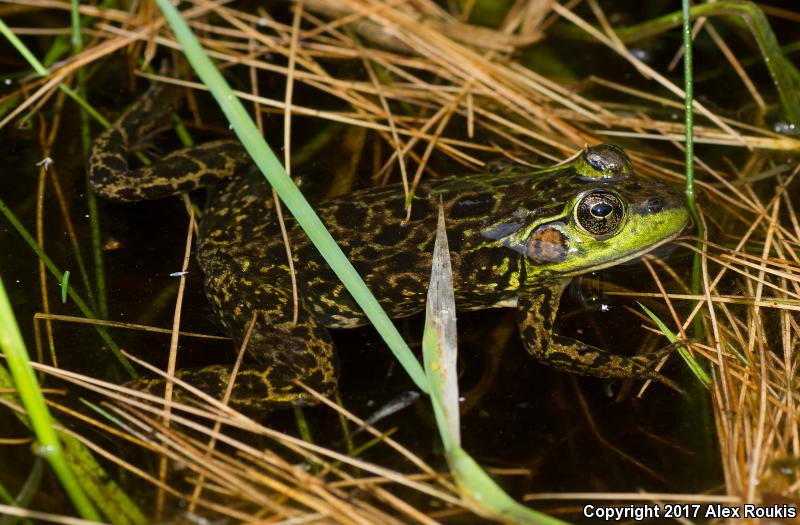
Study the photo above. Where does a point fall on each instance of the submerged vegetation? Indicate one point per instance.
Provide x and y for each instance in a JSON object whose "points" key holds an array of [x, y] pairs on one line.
{"points": [[362, 92]]}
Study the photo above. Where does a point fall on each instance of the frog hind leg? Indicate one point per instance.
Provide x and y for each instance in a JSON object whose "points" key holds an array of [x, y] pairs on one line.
{"points": [[280, 352], [536, 314], [184, 170], [280, 355], [285, 351]]}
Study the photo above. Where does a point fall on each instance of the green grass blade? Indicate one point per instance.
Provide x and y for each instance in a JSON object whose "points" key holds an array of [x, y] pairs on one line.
{"points": [[22, 49], [48, 446], [691, 362], [76, 40], [64, 286], [114, 503], [439, 348], [42, 71], [475, 484], [104, 492], [688, 113], [82, 306], [783, 73], [25, 494], [439, 341], [272, 169]]}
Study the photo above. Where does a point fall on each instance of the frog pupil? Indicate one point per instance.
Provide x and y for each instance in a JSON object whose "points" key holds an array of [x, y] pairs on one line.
{"points": [[602, 209]]}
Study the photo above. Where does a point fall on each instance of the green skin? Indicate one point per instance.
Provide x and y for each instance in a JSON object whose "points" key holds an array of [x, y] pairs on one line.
{"points": [[517, 236]]}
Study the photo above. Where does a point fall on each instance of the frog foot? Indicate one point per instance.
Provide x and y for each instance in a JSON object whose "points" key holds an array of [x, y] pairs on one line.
{"points": [[650, 361], [257, 389]]}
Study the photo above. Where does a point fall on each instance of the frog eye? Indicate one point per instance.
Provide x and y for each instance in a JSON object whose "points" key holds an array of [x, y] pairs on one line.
{"points": [[600, 213], [603, 163]]}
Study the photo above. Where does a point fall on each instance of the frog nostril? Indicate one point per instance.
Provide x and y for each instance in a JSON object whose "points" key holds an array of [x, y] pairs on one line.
{"points": [[654, 205]]}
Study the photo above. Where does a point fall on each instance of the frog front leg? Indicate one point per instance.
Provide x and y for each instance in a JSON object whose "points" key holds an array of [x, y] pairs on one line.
{"points": [[536, 314], [112, 176]]}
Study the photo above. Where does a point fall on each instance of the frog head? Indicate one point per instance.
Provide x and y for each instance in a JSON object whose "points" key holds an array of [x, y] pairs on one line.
{"points": [[601, 214]]}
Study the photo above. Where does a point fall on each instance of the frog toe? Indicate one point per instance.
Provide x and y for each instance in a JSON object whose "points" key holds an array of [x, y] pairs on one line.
{"points": [[257, 389]]}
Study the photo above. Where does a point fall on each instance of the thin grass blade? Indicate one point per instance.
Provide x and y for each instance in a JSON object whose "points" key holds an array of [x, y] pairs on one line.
{"points": [[483, 495]]}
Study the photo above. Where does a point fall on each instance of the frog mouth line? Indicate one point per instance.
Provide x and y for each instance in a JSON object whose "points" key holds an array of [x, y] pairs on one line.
{"points": [[626, 258]]}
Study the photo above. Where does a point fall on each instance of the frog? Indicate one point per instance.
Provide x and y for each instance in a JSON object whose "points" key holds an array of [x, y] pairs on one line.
{"points": [[517, 236]]}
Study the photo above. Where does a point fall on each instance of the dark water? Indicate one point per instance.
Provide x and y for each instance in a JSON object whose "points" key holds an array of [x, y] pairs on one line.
{"points": [[562, 429], [565, 432]]}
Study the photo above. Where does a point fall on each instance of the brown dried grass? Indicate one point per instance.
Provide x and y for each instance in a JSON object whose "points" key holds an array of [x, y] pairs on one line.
{"points": [[443, 82]]}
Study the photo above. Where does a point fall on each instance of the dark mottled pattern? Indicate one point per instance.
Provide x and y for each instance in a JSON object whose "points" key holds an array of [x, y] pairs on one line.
{"points": [[179, 172], [536, 314], [241, 251]]}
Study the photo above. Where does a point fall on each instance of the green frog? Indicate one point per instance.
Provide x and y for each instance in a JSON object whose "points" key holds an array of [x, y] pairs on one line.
{"points": [[517, 236]]}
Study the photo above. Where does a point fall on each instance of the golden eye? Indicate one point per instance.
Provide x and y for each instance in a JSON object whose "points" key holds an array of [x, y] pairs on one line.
{"points": [[600, 213]]}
